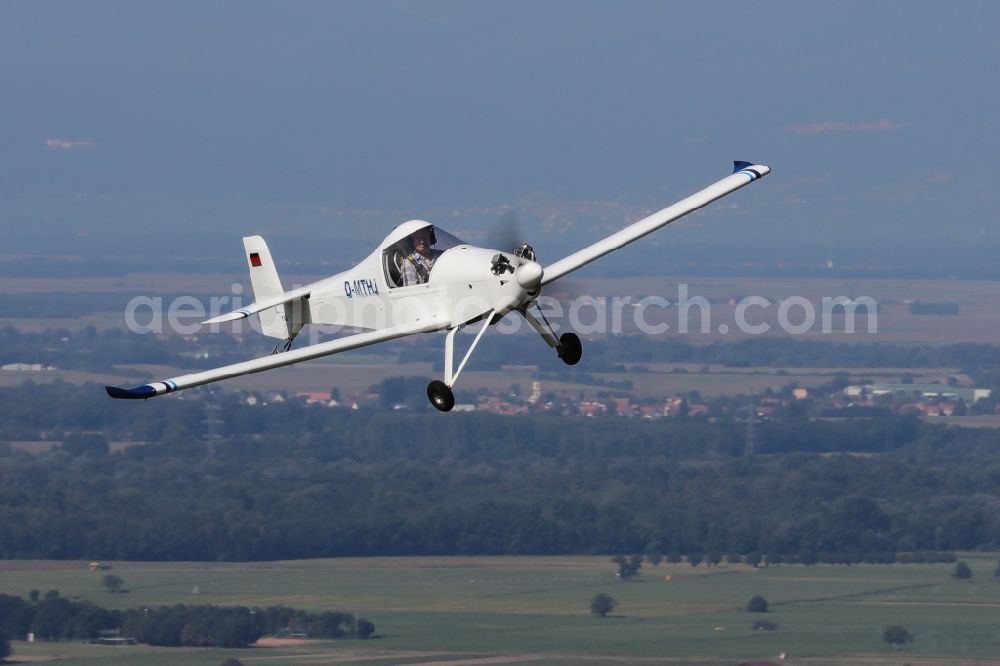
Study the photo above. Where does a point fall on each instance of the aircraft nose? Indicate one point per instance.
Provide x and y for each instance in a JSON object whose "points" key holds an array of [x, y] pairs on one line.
{"points": [[529, 275]]}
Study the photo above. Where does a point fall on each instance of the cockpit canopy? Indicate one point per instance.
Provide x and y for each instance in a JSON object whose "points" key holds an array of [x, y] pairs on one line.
{"points": [[403, 265]]}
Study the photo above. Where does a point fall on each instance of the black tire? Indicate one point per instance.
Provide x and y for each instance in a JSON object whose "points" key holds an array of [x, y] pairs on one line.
{"points": [[570, 348], [440, 396]]}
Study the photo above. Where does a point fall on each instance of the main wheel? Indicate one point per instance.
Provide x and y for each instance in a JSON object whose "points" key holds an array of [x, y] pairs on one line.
{"points": [[440, 396], [570, 348]]}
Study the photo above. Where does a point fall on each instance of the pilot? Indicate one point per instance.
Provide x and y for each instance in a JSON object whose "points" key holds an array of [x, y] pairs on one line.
{"points": [[417, 266]]}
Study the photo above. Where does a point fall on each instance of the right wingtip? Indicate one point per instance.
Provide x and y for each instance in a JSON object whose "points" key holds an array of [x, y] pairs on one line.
{"points": [[755, 170], [137, 393]]}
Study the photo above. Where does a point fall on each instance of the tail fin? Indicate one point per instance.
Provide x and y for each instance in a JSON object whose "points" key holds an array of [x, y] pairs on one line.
{"points": [[266, 284]]}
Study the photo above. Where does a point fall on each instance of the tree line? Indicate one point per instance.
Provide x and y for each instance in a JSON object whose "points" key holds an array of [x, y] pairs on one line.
{"points": [[53, 617]]}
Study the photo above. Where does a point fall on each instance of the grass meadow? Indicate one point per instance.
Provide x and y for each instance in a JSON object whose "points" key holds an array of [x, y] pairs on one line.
{"points": [[535, 610]]}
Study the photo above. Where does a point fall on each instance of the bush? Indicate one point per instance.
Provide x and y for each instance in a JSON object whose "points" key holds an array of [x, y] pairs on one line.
{"points": [[628, 568], [112, 582], [364, 629], [757, 604], [896, 636], [962, 571], [602, 604]]}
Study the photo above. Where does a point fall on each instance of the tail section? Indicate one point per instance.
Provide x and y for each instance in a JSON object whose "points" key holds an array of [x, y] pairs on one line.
{"points": [[266, 284]]}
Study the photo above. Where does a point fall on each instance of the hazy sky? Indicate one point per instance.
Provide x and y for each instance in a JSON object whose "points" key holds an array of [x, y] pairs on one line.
{"points": [[879, 118]]}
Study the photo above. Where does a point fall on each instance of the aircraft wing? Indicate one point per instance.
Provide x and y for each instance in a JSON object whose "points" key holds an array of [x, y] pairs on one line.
{"points": [[743, 174], [277, 360], [260, 306]]}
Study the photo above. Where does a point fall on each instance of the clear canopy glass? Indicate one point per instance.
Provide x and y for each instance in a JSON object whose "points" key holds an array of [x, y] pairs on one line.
{"points": [[409, 261]]}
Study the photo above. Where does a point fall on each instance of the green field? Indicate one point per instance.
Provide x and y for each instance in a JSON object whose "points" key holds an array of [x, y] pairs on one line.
{"points": [[535, 610]]}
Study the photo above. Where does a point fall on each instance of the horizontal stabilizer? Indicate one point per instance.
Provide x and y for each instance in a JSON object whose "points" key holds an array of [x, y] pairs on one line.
{"points": [[259, 306]]}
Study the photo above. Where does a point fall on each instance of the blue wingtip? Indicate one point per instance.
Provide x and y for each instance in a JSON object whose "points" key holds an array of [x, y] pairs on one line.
{"points": [[137, 393], [740, 165]]}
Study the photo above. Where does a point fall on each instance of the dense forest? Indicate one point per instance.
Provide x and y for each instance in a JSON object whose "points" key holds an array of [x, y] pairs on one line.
{"points": [[291, 480]]}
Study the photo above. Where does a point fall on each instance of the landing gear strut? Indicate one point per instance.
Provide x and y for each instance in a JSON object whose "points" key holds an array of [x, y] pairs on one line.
{"points": [[438, 392], [440, 396], [568, 346]]}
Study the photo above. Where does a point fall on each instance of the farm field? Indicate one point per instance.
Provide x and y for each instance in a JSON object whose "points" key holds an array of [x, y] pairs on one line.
{"points": [[977, 321], [534, 610]]}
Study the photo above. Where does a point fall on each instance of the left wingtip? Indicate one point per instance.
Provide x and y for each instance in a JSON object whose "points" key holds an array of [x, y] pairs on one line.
{"points": [[137, 393]]}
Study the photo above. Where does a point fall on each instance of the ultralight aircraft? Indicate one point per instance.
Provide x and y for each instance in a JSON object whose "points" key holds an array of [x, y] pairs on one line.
{"points": [[421, 279]]}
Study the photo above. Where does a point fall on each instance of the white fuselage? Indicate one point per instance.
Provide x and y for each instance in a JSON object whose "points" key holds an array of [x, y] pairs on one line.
{"points": [[462, 288]]}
